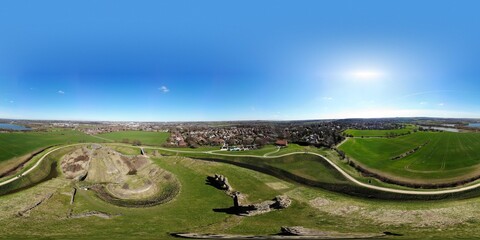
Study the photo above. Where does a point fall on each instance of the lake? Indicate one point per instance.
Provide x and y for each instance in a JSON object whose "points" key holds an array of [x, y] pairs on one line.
{"points": [[475, 125], [12, 127], [446, 129]]}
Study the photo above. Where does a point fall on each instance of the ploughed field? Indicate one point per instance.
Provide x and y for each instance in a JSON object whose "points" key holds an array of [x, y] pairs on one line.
{"points": [[422, 157]]}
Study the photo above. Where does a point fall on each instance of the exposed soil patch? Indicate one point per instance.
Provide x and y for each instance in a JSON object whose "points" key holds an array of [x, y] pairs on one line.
{"points": [[81, 158], [75, 164]]}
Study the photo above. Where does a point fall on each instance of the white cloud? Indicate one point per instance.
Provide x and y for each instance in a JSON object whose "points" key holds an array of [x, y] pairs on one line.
{"points": [[164, 89], [423, 103], [61, 92], [327, 98], [441, 104]]}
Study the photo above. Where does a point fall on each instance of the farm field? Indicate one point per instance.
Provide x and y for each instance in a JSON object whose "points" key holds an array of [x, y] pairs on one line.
{"points": [[379, 133], [20, 143], [311, 207], [441, 157], [146, 138]]}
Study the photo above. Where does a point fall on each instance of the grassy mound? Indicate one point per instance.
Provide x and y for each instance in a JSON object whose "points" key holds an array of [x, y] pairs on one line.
{"points": [[169, 190], [123, 180]]}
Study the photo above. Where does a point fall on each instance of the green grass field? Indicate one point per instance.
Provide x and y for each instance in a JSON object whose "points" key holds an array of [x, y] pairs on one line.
{"points": [[306, 169], [146, 138], [445, 157], [309, 167], [193, 209], [270, 150], [17, 144], [379, 133]]}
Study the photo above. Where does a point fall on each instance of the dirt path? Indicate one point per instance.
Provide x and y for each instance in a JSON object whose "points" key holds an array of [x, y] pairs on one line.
{"points": [[266, 154], [345, 174], [95, 136], [37, 164], [342, 142]]}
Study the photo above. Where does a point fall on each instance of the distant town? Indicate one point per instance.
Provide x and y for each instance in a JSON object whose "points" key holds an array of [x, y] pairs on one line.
{"points": [[245, 135]]}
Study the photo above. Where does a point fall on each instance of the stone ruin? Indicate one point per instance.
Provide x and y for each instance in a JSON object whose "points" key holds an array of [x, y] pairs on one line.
{"points": [[236, 199], [279, 202], [220, 182]]}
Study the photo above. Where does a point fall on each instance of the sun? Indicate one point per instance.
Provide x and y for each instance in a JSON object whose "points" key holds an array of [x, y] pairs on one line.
{"points": [[366, 74]]}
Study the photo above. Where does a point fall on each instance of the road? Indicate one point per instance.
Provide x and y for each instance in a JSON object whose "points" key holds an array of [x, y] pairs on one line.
{"points": [[340, 170]]}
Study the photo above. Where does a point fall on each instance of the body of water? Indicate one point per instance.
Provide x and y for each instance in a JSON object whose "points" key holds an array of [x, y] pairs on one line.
{"points": [[475, 125], [446, 129], [12, 126]]}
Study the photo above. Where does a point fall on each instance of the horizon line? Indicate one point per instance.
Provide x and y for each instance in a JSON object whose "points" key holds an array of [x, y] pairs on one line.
{"points": [[247, 120]]}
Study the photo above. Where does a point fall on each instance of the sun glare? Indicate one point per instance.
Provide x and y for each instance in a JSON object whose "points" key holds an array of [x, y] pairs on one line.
{"points": [[366, 74]]}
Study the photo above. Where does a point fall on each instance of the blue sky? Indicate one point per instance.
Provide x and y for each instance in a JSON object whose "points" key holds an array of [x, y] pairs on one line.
{"points": [[238, 60]]}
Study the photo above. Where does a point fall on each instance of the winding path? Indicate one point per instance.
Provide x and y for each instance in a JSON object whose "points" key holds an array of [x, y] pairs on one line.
{"points": [[36, 164], [345, 174]]}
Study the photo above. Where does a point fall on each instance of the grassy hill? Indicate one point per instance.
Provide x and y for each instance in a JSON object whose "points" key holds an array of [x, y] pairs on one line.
{"points": [[441, 157]]}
